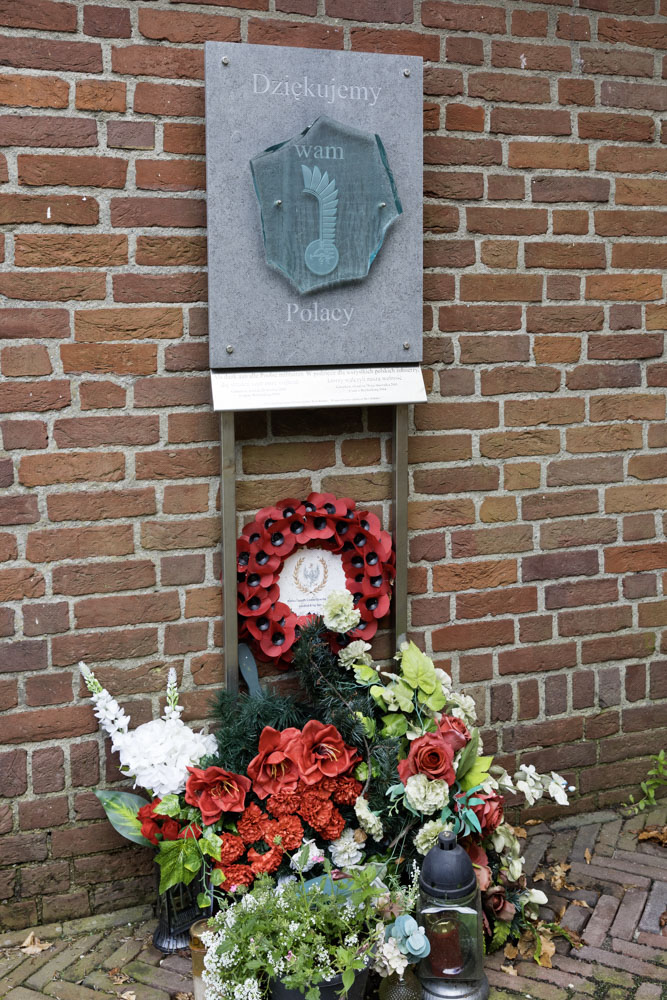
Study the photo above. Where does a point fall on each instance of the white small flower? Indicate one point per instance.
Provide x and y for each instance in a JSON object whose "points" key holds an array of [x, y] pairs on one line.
{"points": [[345, 851], [426, 796], [556, 788], [462, 706], [308, 855], [533, 896], [369, 821], [339, 613], [389, 958], [356, 652], [529, 783]]}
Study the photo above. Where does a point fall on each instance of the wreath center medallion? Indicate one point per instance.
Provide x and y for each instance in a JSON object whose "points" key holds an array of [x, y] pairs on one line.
{"points": [[308, 577]]}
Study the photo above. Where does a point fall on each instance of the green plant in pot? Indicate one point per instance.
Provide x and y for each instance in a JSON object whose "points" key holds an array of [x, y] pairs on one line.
{"points": [[314, 939]]}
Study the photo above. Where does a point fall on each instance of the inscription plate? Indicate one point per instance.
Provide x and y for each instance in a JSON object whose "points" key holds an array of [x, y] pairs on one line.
{"points": [[327, 198], [326, 299]]}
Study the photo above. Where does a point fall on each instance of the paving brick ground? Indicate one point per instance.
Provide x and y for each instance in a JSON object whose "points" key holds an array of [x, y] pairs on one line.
{"points": [[622, 882]]}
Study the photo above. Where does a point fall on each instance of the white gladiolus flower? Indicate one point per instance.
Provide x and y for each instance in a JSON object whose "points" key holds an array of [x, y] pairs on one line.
{"points": [[557, 788], [529, 783], [426, 796], [369, 821], [345, 851], [111, 716]]}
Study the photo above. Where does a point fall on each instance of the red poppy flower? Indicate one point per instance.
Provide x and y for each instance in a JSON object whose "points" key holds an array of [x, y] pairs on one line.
{"points": [[275, 769], [231, 849], [268, 862], [251, 824], [255, 601], [235, 876], [347, 791], [216, 791], [429, 755], [322, 753], [280, 636]]}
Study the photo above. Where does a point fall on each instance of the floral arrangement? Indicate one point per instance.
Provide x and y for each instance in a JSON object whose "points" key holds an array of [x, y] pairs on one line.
{"points": [[310, 933], [362, 775], [320, 521]]}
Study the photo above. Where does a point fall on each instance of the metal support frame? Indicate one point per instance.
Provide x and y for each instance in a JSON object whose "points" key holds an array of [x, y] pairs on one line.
{"points": [[228, 536]]}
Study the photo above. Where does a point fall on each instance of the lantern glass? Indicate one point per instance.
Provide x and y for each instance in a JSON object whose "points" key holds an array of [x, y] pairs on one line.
{"points": [[454, 930]]}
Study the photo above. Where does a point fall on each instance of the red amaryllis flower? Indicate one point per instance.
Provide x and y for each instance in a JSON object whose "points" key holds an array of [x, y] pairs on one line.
{"points": [[216, 791], [274, 769], [283, 803], [347, 791], [454, 732], [490, 812], [495, 902], [322, 753], [268, 862], [231, 849], [251, 824], [431, 756], [235, 876], [286, 831], [333, 828]]}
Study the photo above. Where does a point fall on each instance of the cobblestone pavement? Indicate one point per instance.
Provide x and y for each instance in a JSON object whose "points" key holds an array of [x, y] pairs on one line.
{"points": [[621, 882]]}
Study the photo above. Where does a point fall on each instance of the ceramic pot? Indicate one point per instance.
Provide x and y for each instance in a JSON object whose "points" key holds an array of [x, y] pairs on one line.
{"points": [[329, 990]]}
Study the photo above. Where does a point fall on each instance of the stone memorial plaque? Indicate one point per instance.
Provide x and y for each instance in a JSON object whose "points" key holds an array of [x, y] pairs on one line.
{"points": [[314, 192]]}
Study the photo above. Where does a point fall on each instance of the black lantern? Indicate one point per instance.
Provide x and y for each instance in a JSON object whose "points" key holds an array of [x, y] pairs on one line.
{"points": [[450, 910]]}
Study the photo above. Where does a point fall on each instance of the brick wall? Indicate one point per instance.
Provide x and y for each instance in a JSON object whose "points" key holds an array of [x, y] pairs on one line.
{"points": [[539, 464]]}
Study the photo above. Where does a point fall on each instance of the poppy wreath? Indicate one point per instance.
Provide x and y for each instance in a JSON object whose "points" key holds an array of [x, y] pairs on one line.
{"points": [[320, 521]]}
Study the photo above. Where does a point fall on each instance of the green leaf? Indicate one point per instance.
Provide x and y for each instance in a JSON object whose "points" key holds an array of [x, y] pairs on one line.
{"points": [[435, 701], [348, 978], [468, 755], [395, 724], [472, 820], [217, 877], [121, 809], [210, 843], [361, 771], [418, 670], [367, 723], [169, 806], [377, 692], [365, 675], [501, 932], [171, 857], [403, 694], [203, 900]]}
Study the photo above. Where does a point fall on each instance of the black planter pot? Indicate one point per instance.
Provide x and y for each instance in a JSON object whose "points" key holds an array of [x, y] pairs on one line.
{"points": [[329, 990], [177, 911]]}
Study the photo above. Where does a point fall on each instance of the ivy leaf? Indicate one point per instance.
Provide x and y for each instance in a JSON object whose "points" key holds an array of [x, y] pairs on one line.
{"points": [[365, 675], [169, 806], [171, 857], [121, 809], [435, 701], [210, 843], [395, 724], [217, 877], [367, 723], [418, 670], [403, 694], [468, 755], [203, 900], [377, 692], [477, 774]]}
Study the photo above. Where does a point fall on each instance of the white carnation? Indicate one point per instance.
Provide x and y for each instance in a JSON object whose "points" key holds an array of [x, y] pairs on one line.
{"points": [[340, 614], [369, 821], [356, 652], [427, 836], [346, 851], [308, 855], [426, 796]]}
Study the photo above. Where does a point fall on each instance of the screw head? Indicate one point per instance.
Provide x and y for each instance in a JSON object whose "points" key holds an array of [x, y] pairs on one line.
{"points": [[383, 204], [278, 203], [406, 345], [225, 60], [229, 349], [406, 72]]}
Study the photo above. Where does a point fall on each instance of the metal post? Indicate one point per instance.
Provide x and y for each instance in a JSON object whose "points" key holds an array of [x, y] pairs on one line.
{"points": [[228, 539], [400, 522]]}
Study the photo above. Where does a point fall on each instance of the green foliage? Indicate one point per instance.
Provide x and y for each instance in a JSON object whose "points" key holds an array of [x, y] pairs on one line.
{"points": [[121, 809], [241, 719], [179, 861], [501, 933], [655, 780]]}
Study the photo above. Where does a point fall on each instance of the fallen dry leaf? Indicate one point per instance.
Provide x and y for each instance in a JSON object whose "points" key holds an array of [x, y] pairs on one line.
{"points": [[117, 976], [508, 970], [510, 950], [581, 902], [184, 996], [539, 876], [32, 945], [520, 832], [526, 945], [657, 833], [662, 920], [558, 876], [128, 995], [548, 949], [533, 822], [588, 856]]}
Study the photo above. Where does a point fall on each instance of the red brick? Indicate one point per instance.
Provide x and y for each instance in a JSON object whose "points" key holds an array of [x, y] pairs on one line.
{"points": [[565, 255], [133, 135], [182, 569], [173, 287], [623, 287], [532, 24], [30, 359], [90, 432], [464, 118], [571, 534], [43, 15], [169, 99], [195, 533], [74, 249], [633, 160], [501, 287], [100, 395], [471, 576], [518, 55], [439, 82], [489, 350], [36, 396], [470, 479], [181, 137], [19, 509], [100, 95], [13, 773], [138, 609], [97, 646], [64, 210], [167, 212], [45, 619], [463, 17], [309, 36], [28, 654], [612, 62], [543, 734], [509, 87], [106, 22], [17, 584], [508, 600], [610, 619], [469, 51], [76, 543], [641, 33], [174, 391], [448, 151], [525, 121], [46, 53], [635, 558], [119, 359], [501, 187], [478, 635], [604, 125], [507, 221], [388, 11], [553, 565], [54, 286], [29, 434], [155, 60], [574, 28], [34, 92]]}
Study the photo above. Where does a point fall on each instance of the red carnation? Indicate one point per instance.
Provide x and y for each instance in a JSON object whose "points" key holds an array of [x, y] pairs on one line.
{"points": [[316, 811], [333, 828], [454, 732], [215, 791], [429, 755], [231, 848], [236, 875], [268, 862], [251, 824], [274, 769], [290, 831], [347, 791], [322, 753], [283, 803]]}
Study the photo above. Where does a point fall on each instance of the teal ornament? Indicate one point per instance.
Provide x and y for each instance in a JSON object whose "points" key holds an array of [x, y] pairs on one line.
{"points": [[410, 937], [327, 198]]}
